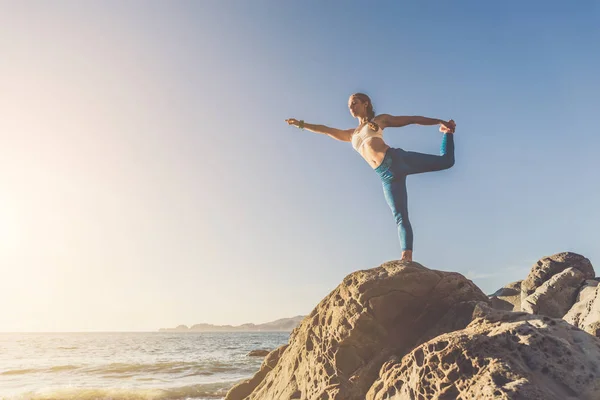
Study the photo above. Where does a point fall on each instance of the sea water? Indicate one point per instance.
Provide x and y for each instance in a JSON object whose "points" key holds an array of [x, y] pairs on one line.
{"points": [[128, 366]]}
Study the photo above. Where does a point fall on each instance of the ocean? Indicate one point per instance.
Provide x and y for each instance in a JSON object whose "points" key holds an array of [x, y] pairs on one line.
{"points": [[128, 366]]}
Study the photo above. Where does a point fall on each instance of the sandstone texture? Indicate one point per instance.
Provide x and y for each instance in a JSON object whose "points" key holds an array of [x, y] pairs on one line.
{"points": [[500, 355], [508, 298], [558, 286], [585, 313], [556, 296], [243, 389], [548, 267], [403, 331], [337, 351]]}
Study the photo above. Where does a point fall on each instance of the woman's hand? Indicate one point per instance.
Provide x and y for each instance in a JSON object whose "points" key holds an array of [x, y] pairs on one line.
{"points": [[448, 127], [292, 121]]}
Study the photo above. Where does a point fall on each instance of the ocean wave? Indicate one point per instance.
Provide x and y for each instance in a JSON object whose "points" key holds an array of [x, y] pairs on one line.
{"points": [[120, 370], [60, 368], [57, 368], [198, 373], [19, 371], [175, 367], [191, 392]]}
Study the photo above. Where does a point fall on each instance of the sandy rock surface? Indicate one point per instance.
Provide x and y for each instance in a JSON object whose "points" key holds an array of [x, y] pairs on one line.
{"points": [[500, 355], [508, 298], [403, 331], [547, 267], [585, 313], [337, 351]]}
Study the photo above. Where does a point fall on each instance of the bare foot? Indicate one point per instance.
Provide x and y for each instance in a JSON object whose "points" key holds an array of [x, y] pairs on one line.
{"points": [[407, 256]]}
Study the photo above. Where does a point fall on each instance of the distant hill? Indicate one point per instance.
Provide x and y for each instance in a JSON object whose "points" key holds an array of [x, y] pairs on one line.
{"points": [[280, 325]]}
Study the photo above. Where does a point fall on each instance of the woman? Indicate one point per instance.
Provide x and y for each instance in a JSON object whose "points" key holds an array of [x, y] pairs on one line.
{"points": [[393, 165]]}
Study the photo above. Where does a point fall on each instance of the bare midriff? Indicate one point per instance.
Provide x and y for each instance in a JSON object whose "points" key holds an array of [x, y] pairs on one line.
{"points": [[373, 151]]}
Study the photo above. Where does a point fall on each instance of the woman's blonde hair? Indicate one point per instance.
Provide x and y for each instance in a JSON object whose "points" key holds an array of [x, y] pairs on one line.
{"points": [[370, 111]]}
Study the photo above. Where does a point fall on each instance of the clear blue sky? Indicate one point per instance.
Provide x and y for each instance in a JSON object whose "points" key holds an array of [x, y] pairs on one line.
{"points": [[147, 177]]}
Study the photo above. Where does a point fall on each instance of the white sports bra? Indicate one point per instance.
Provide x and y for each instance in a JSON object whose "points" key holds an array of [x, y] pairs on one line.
{"points": [[364, 135]]}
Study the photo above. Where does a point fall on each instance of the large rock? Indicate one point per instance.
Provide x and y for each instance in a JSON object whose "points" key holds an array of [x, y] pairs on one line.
{"points": [[337, 351], [556, 296], [547, 267], [508, 298], [456, 318], [585, 313], [244, 388], [500, 355]]}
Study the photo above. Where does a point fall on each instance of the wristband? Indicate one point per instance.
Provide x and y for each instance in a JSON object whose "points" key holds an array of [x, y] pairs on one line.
{"points": [[301, 124]]}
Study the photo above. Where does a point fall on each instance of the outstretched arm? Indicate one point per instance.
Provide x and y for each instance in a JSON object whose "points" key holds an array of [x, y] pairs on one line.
{"points": [[391, 121], [339, 134]]}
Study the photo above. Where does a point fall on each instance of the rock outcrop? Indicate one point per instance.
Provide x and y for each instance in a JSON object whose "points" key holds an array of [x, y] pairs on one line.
{"points": [[508, 298], [337, 351], [500, 355], [402, 331], [585, 313], [548, 289], [556, 296], [558, 286]]}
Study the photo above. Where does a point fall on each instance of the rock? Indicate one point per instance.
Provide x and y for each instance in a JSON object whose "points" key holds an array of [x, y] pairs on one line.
{"points": [[402, 331], [243, 389], [456, 318], [500, 355], [547, 267], [337, 351], [508, 298], [258, 353], [587, 290], [585, 313], [556, 296]]}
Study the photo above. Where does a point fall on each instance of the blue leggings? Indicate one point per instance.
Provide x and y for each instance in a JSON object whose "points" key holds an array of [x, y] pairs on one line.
{"points": [[396, 166]]}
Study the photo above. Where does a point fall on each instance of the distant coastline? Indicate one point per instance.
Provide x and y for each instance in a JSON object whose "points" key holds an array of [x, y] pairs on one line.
{"points": [[280, 325]]}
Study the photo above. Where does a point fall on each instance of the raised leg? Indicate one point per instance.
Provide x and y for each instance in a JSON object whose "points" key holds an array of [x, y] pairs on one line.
{"points": [[417, 163]]}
